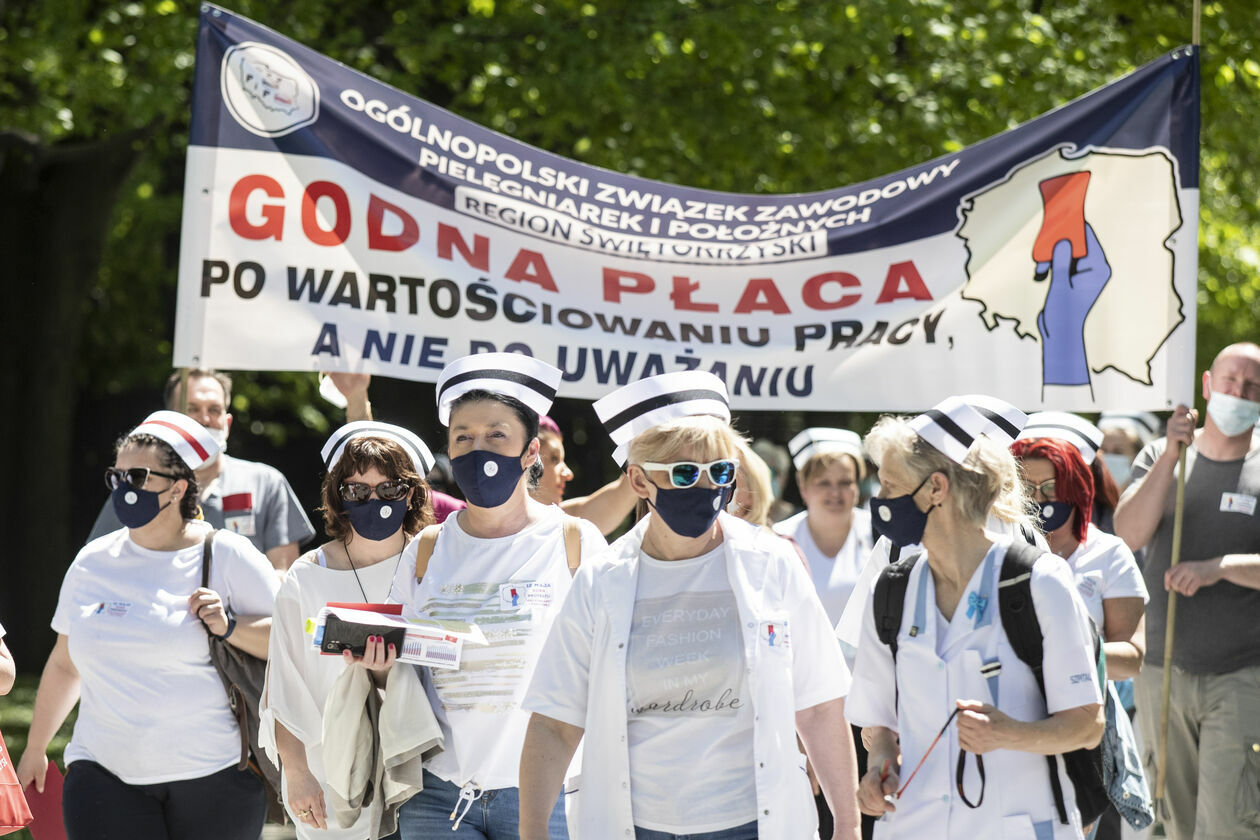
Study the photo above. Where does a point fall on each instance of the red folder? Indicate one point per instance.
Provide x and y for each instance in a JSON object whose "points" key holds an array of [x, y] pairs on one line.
{"points": [[46, 807], [1064, 201]]}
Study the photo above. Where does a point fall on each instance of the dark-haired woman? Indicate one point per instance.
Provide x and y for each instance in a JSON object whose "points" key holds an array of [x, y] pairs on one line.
{"points": [[502, 564], [155, 747], [374, 501]]}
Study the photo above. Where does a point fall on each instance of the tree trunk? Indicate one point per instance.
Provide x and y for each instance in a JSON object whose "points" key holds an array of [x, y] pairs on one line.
{"points": [[55, 208]]}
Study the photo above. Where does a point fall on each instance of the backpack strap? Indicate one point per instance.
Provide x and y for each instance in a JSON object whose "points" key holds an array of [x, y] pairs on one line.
{"points": [[889, 604], [1023, 631], [572, 542], [424, 548]]}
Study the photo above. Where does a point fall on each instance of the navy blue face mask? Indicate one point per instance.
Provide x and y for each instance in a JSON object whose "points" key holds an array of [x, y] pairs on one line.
{"points": [[487, 479], [376, 519], [691, 511], [1053, 515], [134, 507], [899, 518]]}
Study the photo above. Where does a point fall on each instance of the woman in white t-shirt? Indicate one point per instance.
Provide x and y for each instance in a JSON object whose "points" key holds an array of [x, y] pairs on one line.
{"points": [[955, 700], [1107, 577], [689, 655], [155, 748], [375, 500], [832, 531], [504, 563]]}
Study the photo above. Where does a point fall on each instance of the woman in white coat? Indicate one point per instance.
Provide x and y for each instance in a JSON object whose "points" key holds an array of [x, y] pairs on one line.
{"points": [[689, 656], [940, 477], [375, 500]]}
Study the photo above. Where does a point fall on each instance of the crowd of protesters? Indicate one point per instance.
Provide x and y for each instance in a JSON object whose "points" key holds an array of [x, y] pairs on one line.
{"points": [[950, 639]]}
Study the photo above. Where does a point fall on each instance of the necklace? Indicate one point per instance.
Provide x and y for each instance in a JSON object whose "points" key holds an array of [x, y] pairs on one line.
{"points": [[357, 579]]}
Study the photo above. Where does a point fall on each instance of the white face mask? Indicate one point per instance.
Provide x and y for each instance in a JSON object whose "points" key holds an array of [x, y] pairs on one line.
{"points": [[220, 437], [1232, 415], [1119, 465]]}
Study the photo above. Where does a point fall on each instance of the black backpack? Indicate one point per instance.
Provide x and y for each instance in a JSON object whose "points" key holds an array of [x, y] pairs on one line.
{"points": [[1023, 630]]}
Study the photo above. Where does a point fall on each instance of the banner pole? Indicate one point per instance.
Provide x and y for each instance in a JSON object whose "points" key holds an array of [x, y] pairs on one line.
{"points": [[1194, 32], [1161, 763], [182, 399]]}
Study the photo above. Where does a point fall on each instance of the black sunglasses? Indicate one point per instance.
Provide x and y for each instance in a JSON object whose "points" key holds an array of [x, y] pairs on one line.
{"points": [[135, 476], [357, 491]]}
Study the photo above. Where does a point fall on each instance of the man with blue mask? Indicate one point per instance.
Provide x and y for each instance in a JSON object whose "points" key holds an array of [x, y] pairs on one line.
{"points": [[1215, 684], [245, 497]]}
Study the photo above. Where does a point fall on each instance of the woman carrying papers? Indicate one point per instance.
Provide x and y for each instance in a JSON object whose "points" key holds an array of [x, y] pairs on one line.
{"points": [[689, 655], [504, 564], [374, 501]]}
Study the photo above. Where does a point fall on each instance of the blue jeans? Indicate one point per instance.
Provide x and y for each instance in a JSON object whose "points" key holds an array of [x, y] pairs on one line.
{"points": [[495, 815], [747, 831]]}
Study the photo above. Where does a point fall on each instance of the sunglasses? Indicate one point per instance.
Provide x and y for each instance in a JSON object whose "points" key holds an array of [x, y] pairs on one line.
{"points": [[135, 476], [357, 491], [684, 474], [1045, 488]]}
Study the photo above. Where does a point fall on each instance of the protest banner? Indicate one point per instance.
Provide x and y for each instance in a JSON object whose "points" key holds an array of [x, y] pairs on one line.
{"points": [[332, 222]]}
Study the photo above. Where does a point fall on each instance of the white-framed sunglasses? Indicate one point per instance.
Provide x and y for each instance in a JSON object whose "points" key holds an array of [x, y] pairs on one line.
{"points": [[684, 474]]}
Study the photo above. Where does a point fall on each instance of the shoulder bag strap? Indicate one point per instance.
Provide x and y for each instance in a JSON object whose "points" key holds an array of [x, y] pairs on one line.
{"points": [[424, 550], [573, 543]]}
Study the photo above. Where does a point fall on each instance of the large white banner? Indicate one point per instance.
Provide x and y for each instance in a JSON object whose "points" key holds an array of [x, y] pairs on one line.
{"points": [[332, 222]]}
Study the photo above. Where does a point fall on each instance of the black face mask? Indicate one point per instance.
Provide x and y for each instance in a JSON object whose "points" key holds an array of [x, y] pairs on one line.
{"points": [[134, 507], [899, 518], [691, 511], [1053, 515], [376, 519], [487, 479]]}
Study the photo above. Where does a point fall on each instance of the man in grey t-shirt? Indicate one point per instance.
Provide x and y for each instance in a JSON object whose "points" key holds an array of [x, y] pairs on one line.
{"points": [[1214, 722], [252, 499]]}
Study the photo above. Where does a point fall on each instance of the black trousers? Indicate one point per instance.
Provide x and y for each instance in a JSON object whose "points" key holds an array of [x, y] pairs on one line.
{"points": [[827, 826], [97, 805]]}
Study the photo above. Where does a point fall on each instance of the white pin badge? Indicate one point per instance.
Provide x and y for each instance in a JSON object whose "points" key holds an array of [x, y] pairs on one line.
{"points": [[491, 468]]}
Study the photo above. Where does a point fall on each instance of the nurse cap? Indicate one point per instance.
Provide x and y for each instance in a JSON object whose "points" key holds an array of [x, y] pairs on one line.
{"points": [[951, 427], [187, 437], [639, 406], [1061, 425], [817, 440], [421, 457], [1143, 424], [525, 378], [1005, 420]]}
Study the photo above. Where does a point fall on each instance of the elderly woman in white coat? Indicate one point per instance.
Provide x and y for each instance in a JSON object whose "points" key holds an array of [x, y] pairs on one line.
{"points": [[689, 655], [940, 477]]}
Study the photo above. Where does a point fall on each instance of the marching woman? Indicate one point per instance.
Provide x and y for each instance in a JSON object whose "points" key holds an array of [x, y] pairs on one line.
{"points": [[955, 701], [1088, 440], [374, 501], [504, 563], [833, 532], [155, 748], [690, 655]]}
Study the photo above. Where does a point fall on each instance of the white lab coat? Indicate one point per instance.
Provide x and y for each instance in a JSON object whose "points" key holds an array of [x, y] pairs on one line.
{"points": [[941, 663], [580, 678]]}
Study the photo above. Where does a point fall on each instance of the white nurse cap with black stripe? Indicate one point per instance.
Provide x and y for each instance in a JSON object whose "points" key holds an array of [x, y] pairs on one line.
{"points": [[951, 427], [1060, 425], [1005, 420], [817, 440], [525, 378], [639, 406], [190, 440], [421, 457], [1143, 424]]}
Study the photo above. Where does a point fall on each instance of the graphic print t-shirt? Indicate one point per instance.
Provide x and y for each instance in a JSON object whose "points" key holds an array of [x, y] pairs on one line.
{"points": [[689, 709]]}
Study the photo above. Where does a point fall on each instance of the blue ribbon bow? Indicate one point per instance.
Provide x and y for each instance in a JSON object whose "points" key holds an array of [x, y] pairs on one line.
{"points": [[976, 604]]}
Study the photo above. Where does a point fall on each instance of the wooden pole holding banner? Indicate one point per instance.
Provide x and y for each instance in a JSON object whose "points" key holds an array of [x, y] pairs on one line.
{"points": [[1161, 758], [1194, 32], [181, 396]]}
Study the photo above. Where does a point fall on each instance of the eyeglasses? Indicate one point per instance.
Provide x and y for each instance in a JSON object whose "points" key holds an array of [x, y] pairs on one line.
{"points": [[357, 491], [135, 476], [1045, 488], [684, 474]]}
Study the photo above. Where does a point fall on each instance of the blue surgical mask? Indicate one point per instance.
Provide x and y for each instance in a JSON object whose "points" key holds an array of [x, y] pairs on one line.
{"points": [[691, 511], [134, 507], [376, 519], [1232, 415], [1053, 515], [487, 479], [1120, 466], [899, 518]]}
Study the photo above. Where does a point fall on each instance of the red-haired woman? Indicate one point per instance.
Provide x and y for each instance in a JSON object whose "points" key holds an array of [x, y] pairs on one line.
{"points": [[1107, 577]]}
